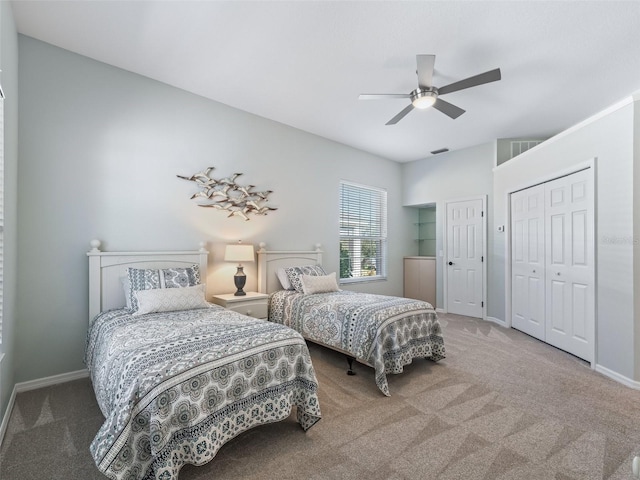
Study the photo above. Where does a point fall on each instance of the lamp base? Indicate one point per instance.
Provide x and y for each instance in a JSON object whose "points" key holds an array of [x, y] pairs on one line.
{"points": [[240, 279]]}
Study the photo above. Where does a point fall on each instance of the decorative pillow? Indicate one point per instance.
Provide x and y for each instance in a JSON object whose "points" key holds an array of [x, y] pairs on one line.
{"points": [[181, 277], [150, 279], [294, 274], [284, 279], [126, 286], [319, 283], [170, 299]]}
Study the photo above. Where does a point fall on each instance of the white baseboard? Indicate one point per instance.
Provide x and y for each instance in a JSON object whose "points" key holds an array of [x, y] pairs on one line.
{"points": [[617, 377], [502, 323], [440, 310], [5, 419], [32, 385], [53, 380]]}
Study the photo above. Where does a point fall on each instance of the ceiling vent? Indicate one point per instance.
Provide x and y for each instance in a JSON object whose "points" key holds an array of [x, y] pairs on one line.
{"points": [[442, 150]]}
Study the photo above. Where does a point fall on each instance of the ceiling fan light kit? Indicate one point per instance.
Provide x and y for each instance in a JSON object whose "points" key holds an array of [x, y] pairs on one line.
{"points": [[424, 98], [426, 95]]}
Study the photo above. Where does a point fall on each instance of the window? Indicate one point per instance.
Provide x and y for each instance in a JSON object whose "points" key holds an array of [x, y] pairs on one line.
{"points": [[363, 233]]}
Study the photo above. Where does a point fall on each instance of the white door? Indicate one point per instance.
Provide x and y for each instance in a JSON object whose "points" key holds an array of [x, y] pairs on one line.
{"points": [[528, 261], [569, 231], [552, 263], [465, 243]]}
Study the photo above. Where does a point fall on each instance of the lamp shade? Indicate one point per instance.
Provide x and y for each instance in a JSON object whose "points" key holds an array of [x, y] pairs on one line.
{"points": [[239, 253]]}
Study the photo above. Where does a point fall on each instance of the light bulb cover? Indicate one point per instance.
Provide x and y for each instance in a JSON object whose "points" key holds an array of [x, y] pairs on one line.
{"points": [[423, 98]]}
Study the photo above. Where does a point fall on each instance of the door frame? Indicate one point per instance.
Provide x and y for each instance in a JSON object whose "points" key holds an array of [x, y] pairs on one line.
{"points": [[445, 242], [591, 165]]}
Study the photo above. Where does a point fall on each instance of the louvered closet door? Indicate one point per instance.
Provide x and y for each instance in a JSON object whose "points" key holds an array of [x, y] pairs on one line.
{"points": [[528, 261], [569, 236]]}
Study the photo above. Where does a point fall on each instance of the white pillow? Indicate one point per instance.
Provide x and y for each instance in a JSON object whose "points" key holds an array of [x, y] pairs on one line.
{"points": [[319, 283], [284, 279], [170, 299]]}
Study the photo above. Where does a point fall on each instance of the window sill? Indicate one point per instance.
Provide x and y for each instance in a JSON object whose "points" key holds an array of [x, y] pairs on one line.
{"points": [[348, 281]]}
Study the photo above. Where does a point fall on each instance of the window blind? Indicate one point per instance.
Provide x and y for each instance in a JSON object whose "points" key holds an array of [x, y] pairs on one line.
{"points": [[363, 232]]}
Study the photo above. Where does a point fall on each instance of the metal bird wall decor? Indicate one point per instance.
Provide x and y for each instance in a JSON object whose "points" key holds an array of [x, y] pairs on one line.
{"points": [[226, 195]]}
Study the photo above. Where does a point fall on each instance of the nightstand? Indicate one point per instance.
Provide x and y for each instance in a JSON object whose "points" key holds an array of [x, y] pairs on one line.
{"points": [[253, 304]]}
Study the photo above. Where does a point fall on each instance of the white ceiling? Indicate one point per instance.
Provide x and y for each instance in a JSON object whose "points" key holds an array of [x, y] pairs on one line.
{"points": [[304, 63]]}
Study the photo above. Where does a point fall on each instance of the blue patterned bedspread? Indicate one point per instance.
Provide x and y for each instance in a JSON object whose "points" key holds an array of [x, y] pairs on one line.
{"points": [[174, 387], [381, 331]]}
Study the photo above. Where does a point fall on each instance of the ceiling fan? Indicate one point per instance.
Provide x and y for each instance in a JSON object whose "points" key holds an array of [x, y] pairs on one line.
{"points": [[426, 95]]}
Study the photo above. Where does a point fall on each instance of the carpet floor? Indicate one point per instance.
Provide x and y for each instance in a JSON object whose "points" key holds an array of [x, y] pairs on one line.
{"points": [[502, 405]]}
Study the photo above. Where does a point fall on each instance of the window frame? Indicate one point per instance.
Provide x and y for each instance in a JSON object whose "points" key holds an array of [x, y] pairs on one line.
{"points": [[380, 238]]}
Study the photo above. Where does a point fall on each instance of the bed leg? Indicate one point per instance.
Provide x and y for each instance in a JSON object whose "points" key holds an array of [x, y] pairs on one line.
{"points": [[350, 371]]}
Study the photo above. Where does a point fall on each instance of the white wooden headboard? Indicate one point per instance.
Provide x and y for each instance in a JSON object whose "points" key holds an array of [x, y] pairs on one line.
{"points": [[106, 270], [270, 261]]}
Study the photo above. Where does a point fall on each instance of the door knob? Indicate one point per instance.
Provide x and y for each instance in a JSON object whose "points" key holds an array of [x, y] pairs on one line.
{"points": [[450, 263]]}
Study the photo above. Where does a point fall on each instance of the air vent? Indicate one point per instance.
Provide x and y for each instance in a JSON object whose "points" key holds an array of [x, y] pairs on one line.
{"points": [[442, 150], [521, 146]]}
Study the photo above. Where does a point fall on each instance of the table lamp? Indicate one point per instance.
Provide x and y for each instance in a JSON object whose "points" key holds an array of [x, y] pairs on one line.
{"points": [[239, 253]]}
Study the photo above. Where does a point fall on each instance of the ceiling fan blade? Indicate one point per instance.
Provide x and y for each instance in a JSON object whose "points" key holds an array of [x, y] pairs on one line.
{"points": [[401, 115], [486, 77], [425, 69], [376, 96], [448, 108]]}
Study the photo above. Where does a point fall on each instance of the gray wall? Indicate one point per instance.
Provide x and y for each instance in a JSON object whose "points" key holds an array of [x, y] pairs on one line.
{"points": [[99, 152], [448, 176], [9, 80], [609, 139]]}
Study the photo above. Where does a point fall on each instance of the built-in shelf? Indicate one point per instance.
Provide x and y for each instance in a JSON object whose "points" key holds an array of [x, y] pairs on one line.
{"points": [[426, 231]]}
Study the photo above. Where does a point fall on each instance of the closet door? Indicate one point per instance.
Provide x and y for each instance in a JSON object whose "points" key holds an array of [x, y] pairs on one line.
{"points": [[552, 263], [528, 261], [569, 280]]}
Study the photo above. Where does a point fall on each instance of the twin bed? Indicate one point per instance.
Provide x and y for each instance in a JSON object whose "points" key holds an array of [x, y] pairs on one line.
{"points": [[176, 385], [383, 332], [176, 377]]}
